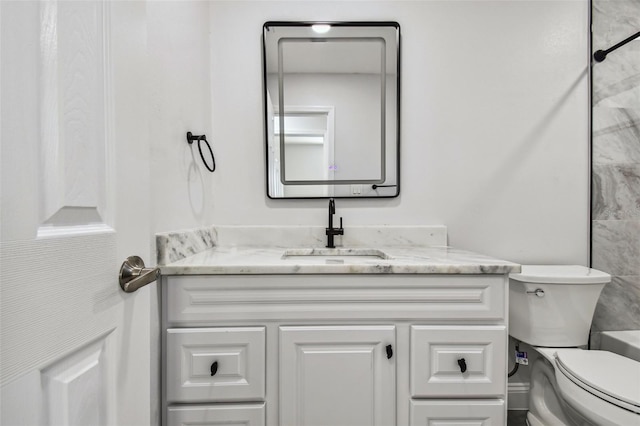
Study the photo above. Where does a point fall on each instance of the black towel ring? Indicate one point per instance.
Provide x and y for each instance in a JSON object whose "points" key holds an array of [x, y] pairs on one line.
{"points": [[191, 137]]}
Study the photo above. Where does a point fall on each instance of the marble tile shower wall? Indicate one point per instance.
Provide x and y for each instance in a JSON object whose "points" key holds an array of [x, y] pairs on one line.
{"points": [[616, 165]]}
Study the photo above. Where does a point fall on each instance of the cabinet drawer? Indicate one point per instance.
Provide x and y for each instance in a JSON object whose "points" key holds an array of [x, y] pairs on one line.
{"points": [[239, 372], [467, 412], [240, 414], [203, 300], [440, 353]]}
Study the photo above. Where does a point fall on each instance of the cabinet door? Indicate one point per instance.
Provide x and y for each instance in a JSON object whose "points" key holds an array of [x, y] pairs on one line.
{"points": [[337, 375]]}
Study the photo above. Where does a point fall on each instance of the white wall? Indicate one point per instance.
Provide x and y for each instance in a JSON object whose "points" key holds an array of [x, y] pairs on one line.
{"points": [[494, 130], [180, 100]]}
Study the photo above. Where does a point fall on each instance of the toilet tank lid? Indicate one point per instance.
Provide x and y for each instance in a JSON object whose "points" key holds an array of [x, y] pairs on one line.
{"points": [[560, 274]]}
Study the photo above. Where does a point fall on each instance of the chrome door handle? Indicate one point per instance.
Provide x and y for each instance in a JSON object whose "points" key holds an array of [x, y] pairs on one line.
{"points": [[134, 275]]}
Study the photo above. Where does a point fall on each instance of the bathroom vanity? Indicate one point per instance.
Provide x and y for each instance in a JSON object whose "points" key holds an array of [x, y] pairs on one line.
{"points": [[402, 332]]}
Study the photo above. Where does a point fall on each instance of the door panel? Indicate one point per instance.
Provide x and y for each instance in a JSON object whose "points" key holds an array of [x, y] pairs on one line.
{"points": [[76, 386], [74, 157], [70, 339], [337, 375]]}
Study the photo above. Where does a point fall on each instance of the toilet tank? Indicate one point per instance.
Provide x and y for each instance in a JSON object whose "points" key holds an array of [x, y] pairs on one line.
{"points": [[553, 305]]}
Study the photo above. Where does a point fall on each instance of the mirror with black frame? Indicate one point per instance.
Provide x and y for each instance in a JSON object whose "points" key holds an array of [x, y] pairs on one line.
{"points": [[332, 109]]}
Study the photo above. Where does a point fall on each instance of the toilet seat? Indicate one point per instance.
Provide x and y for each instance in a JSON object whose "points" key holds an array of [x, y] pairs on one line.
{"points": [[609, 376]]}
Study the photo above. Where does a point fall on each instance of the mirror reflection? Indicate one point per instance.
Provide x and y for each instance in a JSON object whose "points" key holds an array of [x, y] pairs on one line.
{"points": [[331, 109]]}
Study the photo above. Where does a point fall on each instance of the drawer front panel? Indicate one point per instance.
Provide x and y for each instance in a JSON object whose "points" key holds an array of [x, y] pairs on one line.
{"points": [[450, 361], [208, 300], [239, 354], [468, 413], [241, 414]]}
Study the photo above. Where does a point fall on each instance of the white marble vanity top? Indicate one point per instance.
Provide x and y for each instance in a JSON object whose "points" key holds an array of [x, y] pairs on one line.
{"points": [[400, 254], [402, 260]]}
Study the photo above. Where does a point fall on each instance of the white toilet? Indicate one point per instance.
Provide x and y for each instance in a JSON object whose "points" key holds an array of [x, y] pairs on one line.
{"points": [[551, 308]]}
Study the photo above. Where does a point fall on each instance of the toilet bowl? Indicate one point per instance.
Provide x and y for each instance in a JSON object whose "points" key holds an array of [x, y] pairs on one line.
{"points": [[579, 387], [551, 308]]}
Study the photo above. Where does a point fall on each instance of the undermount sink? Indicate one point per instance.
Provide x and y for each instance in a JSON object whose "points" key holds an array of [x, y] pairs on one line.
{"points": [[336, 255]]}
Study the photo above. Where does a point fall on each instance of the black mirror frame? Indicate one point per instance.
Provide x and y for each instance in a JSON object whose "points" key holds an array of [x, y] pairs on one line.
{"points": [[265, 100]]}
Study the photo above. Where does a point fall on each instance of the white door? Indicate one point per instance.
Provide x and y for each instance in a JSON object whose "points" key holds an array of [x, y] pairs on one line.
{"points": [[74, 348], [337, 375]]}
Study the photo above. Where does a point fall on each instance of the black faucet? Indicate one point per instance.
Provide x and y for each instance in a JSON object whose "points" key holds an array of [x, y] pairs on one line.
{"points": [[331, 231]]}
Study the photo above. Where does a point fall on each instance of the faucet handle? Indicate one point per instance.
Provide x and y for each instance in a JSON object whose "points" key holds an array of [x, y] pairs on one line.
{"points": [[340, 222]]}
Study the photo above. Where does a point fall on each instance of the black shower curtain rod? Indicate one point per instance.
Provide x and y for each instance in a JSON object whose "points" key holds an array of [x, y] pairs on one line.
{"points": [[600, 55]]}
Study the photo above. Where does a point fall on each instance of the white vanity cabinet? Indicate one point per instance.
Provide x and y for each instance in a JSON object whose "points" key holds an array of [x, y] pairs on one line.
{"points": [[341, 349]]}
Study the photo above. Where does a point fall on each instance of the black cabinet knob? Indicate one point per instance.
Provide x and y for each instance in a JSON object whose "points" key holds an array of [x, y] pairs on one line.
{"points": [[214, 368], [463, 365], [389, 351]]}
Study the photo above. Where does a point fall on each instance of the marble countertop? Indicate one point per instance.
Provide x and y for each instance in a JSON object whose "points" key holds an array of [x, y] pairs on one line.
{"points": [[391, 260]]}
